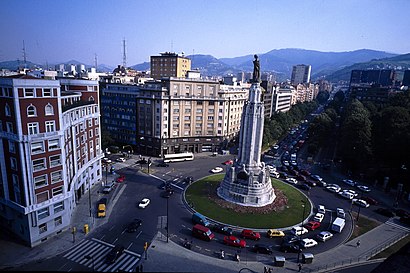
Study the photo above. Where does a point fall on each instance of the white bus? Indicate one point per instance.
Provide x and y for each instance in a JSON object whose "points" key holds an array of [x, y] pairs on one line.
{"points": [[178, 157]]}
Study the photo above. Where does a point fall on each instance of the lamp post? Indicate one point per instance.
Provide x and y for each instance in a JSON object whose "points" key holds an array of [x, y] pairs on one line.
{"points": [[301, 225], [89, 190], [167, 222]]}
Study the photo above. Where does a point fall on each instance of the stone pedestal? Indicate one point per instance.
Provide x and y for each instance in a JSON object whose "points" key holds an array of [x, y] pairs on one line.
{"points": [[248, 182]]}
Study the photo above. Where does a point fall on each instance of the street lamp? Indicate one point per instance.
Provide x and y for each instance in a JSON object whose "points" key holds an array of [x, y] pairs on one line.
{"points": [[167, 221], [301, 225]]}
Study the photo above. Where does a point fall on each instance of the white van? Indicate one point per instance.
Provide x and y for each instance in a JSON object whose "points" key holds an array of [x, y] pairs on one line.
{"points": [[293, 157]]}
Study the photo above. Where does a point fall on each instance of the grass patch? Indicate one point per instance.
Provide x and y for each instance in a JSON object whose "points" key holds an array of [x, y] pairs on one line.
{"points": [[198, 194], [363, 225]]}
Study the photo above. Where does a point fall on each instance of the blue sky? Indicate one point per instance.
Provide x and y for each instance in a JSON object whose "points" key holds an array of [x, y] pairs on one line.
{"points": [[59, 31]]}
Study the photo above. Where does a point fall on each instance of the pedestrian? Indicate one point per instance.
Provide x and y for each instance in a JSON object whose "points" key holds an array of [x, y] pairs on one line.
{"points": [[265, 269], [300, 267], [358, 243], [270, 270], [141, 268]]}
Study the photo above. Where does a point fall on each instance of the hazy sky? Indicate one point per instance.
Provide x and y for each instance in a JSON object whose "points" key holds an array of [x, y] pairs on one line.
{"points": [[59, 31]]}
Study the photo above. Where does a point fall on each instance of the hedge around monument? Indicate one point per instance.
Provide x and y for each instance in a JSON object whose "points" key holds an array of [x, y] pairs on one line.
{"points": [[197, 196]]}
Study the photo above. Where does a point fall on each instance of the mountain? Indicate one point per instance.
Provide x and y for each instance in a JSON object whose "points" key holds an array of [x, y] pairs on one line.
{"points": [[141, 67], [282, 60], [399, 62], [211, 66], [14, 65]]}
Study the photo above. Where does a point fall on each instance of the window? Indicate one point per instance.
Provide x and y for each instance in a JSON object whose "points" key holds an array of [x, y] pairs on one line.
{"points": [[39, 164], [42, 228], [7, 110], [55, 160], [57, 191], [90, 133], [31, 111], [13, 163], [46, 92], [58, 221], [29, 93], [49, 110], [37, 147], [40, 181], [42, 197], [10, 128], [43, 213], [12, 146], [56, 177], [32, 128], [53, 144], [50, 126]]}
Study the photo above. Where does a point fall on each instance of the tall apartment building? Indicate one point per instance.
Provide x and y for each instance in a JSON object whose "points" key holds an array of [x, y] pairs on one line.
{"points": [[174, 114], [301, 74], [49, 153], [169, 64]]}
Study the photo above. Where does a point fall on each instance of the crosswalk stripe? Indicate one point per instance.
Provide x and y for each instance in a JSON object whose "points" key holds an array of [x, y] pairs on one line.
{"points": [[98, 250]]}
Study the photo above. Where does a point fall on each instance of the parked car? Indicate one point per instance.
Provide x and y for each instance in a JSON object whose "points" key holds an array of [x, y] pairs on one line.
{"points": [[217, 170], [262, 248], [316, 177], [360, 202], [304, 187], [144, 203], [311, 183], [162, 164], [120, 159], [385, 212], [340, 213], [321, 183], [222, 229], [363, 188], [370, 200], [305, 172], [306, 243], [298, 231], [120, 179], [321, 209], [349, 182], [346, 195], [324, 236], [134, 225], [312, 225], [301, 178], [228, 162], [332, 189], [108, 188], [290, 239], [114, 254], [289, 247], [275, 233], [250, 234], [233, 241], [318, 217], [291, 180]]}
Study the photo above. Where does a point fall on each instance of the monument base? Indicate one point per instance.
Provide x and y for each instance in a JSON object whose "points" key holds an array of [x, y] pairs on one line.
{"points": [[247, 187]]}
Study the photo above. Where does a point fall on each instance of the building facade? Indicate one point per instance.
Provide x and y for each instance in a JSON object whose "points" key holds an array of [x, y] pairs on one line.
{"points": [[174, 115], [301, 74], [169, 64], [50, 153]]}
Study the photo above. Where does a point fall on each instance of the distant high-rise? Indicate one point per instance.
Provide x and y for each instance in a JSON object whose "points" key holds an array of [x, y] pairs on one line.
{"points": [[301, 74], [169, 64], [406, 78]]}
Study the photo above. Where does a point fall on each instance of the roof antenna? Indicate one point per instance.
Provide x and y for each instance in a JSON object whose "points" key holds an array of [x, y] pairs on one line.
{"points": [[24, 55]]}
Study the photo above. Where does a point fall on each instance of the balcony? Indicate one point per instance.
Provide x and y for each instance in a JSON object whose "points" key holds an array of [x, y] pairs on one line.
{"points": [[77, 104]]}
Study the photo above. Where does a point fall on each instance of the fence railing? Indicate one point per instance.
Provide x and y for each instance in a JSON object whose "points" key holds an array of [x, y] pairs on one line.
{"points": [[362, 259]]}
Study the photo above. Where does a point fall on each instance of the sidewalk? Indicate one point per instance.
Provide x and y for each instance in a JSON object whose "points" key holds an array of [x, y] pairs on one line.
{"points": [[13, 255]]}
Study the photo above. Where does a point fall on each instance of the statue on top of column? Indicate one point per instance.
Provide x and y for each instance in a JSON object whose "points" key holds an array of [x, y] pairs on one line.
{"points": [[256, 70]]}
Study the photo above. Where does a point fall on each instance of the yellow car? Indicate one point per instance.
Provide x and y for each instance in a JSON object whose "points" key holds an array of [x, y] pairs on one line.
{"points": [[275, 233]]}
